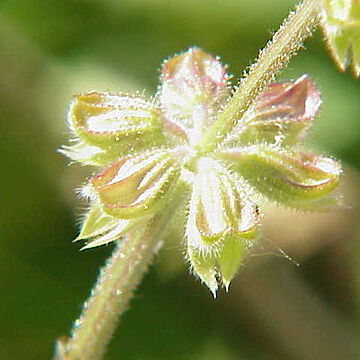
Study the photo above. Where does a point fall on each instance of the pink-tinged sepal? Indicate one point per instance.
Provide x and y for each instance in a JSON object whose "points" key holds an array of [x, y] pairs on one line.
{"points": [[115, 123], [219, 218], [194, 85], [136, 186], [281, 114], [290, 178], [216, 207]]}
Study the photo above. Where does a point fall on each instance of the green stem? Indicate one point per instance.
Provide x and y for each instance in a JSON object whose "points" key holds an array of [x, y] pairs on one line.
{"points": [[116, 284], [276, 55], [110, 297]]}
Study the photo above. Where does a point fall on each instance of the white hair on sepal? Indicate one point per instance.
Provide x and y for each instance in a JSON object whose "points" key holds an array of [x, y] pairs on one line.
{"points": [[86, 192]]}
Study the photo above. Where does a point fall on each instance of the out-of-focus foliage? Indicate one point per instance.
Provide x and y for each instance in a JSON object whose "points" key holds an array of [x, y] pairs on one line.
{"points": [[50, 49]]}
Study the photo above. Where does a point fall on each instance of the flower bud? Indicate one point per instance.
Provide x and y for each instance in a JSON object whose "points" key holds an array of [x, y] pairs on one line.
{"points": [[219, 222], [341, 26]]}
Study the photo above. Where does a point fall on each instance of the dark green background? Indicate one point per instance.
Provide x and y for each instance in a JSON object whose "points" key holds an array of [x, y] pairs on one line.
{"points": [[50, 49]]}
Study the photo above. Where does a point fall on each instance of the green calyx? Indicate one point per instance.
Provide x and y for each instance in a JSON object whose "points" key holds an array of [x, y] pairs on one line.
{"points": [[217, 266], [148, 150]]}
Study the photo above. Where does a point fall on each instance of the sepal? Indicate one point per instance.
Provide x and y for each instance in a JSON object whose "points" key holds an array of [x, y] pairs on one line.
{"points": [[100, 228], [230, 256], [281, 114], [88, 154], [120, 124], [221, 221], [204, 266], [291, 178], [193, 85], [216, 207], [95, 222], [218, 266], [136, 186]]}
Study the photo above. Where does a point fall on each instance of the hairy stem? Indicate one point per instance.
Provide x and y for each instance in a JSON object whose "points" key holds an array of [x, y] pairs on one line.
{"points": [[110, 297], [273, 58], [117, 281]]}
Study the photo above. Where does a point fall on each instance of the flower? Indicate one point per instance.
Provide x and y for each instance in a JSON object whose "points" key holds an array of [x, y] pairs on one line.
{"points": [[340, 20], [148, 149]]}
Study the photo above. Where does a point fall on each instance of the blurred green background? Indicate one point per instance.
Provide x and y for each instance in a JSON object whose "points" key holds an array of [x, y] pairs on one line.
{"points": [[275, 310]]}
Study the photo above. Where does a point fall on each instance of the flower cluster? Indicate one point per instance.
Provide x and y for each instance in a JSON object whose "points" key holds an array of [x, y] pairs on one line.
{"points": [[148, 150]]}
